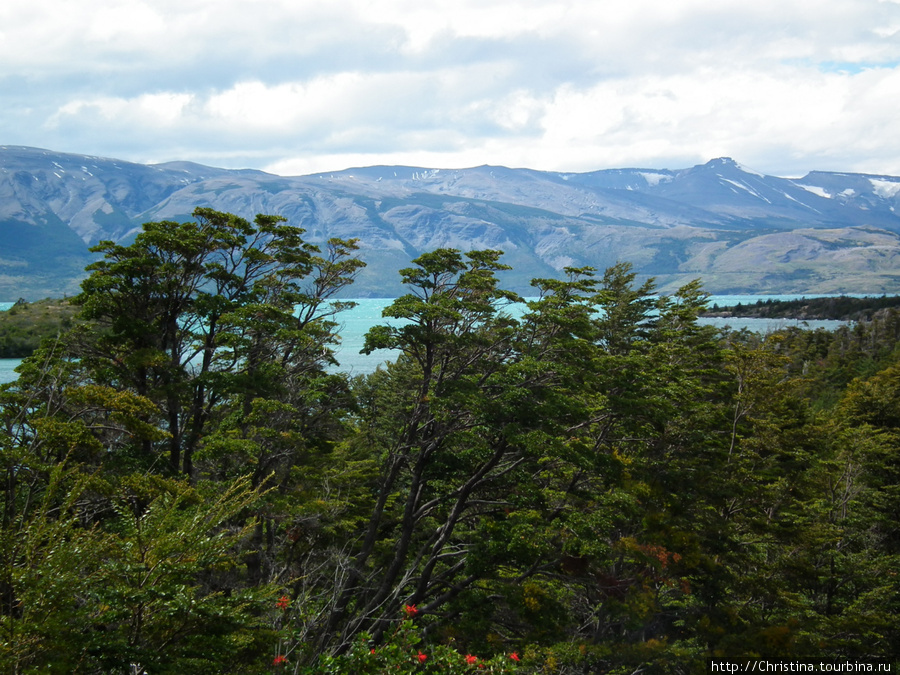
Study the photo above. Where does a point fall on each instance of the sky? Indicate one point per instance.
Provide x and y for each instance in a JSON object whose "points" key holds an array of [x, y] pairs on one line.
{"points": [[297, 87]]}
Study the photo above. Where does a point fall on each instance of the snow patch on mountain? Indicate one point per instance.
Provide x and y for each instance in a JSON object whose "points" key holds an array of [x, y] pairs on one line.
{"points": [[744, 186], [748, 170], [885, 188], [654, 179], [816, 190]]}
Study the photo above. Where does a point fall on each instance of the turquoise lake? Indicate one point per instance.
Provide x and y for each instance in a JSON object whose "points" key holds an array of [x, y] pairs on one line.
{"points": [[367, 313]]}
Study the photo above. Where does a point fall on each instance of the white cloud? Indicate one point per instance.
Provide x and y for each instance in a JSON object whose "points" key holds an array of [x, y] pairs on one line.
{"points": [[123, 24], [154, 110], [783, 85], [255, 106], [424, 22]]}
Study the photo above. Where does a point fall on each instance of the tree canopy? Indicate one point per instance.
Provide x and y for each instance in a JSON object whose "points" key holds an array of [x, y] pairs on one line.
{"points": [[598, 484]]}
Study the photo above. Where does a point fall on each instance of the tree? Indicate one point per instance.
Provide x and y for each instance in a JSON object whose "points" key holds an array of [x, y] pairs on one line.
{"points": [[455, 342], [203, 356], [202, 316]]}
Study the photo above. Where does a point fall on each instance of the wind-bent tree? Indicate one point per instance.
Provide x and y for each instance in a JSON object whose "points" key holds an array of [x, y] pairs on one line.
{"points": [[488, 432], [439, 449]]}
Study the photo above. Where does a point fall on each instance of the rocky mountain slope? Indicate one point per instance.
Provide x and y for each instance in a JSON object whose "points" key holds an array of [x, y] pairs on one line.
{"points": [[736, 229]]}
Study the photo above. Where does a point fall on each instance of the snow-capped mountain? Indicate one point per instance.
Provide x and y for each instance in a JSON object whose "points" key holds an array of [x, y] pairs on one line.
{"points": [[740, 231]]}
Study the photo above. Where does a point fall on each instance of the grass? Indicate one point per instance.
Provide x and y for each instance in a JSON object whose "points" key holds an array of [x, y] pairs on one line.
{"points": [[26, 324]]}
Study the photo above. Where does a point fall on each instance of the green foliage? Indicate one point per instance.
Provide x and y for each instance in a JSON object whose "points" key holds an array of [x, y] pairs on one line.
{"points": [[601, 485], [138, 590], [196, 314], [207, 338], [49, 565], [158, 603], [406, 651]]}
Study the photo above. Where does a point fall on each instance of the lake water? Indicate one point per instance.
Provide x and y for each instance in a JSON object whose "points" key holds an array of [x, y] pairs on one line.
{"points": [[367, 313]]}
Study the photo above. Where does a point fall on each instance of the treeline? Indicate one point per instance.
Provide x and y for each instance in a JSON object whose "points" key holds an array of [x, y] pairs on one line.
{"points": [[844, 308], [188, 487]]}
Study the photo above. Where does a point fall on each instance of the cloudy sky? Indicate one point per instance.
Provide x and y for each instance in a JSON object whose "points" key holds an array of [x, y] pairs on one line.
{"points": [[296, 86]]}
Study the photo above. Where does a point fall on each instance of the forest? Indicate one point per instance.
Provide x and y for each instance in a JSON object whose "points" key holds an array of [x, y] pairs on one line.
{"points": [[828, 307], [601, 485]]}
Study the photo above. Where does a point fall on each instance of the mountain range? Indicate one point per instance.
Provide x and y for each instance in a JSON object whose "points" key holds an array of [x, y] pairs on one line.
{"points": [[736, 229]]}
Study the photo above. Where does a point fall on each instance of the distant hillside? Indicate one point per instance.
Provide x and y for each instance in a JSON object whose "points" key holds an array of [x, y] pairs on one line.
{"points": [[736, 229], [842, 308], [26, 324]]}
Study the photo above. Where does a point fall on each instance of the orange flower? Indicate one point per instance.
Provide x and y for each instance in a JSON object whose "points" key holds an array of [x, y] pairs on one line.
{"points": [[422, 657], [283, 602]]}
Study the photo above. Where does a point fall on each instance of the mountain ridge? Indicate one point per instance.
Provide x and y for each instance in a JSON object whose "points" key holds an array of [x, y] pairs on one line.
{"points": [[737, 229]]}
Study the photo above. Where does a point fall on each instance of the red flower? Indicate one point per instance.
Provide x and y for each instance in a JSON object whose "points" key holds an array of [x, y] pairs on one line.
{"points": [[411, 611], [471, 659], [422, 657], [372, 651], [514, 657], [283, 602], [279, 660]]}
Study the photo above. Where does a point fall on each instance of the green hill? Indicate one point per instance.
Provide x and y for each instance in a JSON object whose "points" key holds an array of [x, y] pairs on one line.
{"points": [[25, 324]]}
